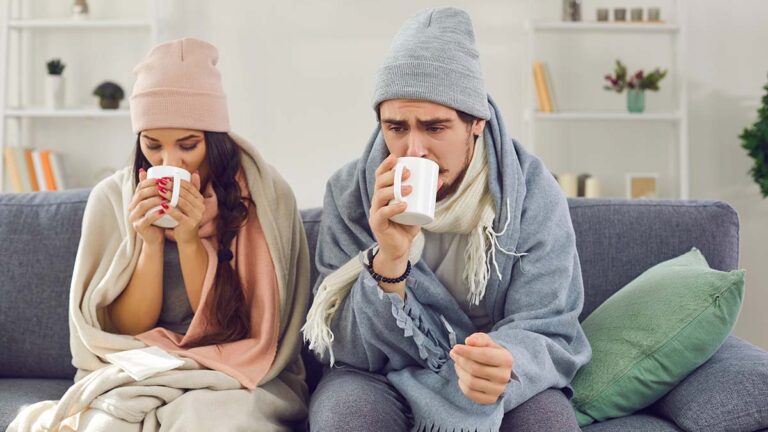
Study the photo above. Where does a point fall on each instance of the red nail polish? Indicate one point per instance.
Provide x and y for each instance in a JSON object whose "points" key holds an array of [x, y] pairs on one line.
{"points": [[162, 212], [165, 206], [161, 189]]}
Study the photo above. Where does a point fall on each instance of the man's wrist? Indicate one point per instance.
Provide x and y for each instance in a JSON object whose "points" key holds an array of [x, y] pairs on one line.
{"points": [[388, 267]]}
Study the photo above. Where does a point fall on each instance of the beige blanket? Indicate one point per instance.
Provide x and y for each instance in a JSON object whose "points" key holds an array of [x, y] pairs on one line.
{"points": [[191, 398]]}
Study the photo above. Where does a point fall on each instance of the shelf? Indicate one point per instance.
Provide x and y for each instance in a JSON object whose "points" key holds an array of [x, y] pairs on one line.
{"points": [[67, 113], [606, 115], [644, 27], [78, 24]]}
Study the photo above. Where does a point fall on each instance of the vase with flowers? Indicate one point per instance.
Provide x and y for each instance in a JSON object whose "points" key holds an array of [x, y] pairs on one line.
{"points": [[635, 84]]}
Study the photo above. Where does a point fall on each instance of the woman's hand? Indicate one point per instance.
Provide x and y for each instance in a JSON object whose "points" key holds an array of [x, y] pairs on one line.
{"points": [[189, 210], [146, 197]]}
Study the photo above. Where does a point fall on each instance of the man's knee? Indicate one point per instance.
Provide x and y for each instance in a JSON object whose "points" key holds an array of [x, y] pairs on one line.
{"points": [[549, 410]]}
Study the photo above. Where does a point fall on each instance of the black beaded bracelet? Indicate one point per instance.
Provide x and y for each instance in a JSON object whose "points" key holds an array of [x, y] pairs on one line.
{"points": [[379, 278]]}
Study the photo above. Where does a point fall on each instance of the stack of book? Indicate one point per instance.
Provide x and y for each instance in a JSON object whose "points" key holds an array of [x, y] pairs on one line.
{"points": [[29, 170], [544, 89]]}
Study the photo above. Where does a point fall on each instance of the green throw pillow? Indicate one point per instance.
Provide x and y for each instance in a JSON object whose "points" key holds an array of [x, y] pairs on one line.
{"points": [[654, 332]]}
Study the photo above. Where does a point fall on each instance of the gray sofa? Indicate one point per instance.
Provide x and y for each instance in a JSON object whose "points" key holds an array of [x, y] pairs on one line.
{"points": [[617, 240]]}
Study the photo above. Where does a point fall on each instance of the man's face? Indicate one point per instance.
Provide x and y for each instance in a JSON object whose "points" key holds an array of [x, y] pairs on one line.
{"points": [[424, 129]]}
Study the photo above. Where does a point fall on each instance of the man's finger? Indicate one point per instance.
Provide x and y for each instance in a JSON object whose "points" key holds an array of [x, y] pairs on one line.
{"points": [[382, 215], [476, 396], [479, 384], [480, 340], [497, 357], [491, 373], [386, 165]]}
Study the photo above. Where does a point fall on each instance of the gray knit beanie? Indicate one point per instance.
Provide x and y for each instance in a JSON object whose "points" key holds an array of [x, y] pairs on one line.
{"points": [[433, 57]]}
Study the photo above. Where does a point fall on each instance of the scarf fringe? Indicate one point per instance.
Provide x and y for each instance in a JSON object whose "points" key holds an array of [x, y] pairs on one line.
{"points": [[317, 330], [334, 289], [481, 253]]}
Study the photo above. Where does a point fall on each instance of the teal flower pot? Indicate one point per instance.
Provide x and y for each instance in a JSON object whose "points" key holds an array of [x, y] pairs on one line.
{"points": [[636, 100]]}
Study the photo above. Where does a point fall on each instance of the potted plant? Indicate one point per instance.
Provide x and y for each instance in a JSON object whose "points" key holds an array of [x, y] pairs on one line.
{"points": [[54, 84], [110, 95], [636, 85], [755, 141]]}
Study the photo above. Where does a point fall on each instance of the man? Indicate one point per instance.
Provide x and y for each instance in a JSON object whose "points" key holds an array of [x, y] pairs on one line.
{"points": [[470, 322]]}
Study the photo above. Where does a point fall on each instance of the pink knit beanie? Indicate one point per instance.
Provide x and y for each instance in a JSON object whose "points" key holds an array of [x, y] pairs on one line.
{"points": [[178, 86]]}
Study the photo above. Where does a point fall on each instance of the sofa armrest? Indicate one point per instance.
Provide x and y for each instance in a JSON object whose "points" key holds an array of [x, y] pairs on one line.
{"points": [[727, 393]]}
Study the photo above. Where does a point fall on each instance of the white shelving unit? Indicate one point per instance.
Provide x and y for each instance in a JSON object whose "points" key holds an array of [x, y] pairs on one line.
{"points": [[78, 24], [677, 117], [14, 21], [66, 113], [607, 26], [606, 116]]}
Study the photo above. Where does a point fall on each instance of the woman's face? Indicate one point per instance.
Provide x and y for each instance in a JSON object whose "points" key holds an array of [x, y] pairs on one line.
{"points": [[183, 148]]}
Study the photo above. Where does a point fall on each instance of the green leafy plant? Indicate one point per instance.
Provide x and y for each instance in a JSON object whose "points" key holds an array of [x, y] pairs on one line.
{"points": [[639, 80], [55, 67], [755, 141]]}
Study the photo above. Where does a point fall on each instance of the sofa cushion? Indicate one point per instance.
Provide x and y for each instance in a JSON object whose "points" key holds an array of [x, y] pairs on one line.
{"points": [[727, 393], [40, 233], [653, 333], [18, 392], [618, 239]]}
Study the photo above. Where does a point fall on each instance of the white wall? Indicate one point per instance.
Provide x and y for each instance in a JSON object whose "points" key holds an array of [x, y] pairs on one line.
{"points": [[299, 75]]}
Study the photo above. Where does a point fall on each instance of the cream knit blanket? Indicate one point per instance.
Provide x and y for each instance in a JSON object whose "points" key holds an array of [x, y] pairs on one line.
{"points": [[191, 398]]}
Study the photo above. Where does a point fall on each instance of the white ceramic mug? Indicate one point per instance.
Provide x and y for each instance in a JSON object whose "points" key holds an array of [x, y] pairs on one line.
{"points": [[423, 196], [177, 174]]}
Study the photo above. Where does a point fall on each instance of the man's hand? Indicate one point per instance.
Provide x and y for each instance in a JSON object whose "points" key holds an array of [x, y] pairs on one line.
{"points": [[393, 238], [484, 368]]}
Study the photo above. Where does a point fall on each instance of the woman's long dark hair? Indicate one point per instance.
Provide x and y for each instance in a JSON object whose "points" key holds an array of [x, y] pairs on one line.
{"points": [[227, 311]]}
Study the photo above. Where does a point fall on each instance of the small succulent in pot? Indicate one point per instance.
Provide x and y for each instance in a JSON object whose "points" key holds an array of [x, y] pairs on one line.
{"points": [[55, 67], [110, 95]]}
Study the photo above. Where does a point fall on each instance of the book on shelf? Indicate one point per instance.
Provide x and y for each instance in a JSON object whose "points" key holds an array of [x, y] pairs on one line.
{"points": [[30, 170], [15, 168], [45, 160], [545, 90], [37, 161], [549, 86], [58, 173]]}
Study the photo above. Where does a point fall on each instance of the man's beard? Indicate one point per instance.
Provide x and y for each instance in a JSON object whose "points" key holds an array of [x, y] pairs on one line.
{"points": [[449, 189]]}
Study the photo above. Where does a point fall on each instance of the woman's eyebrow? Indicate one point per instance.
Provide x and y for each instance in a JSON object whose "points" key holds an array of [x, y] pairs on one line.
{"points": [[188, 137]]}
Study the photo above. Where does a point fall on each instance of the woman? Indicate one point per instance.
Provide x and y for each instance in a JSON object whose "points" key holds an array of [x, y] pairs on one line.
{"points": [[225, 290]]}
